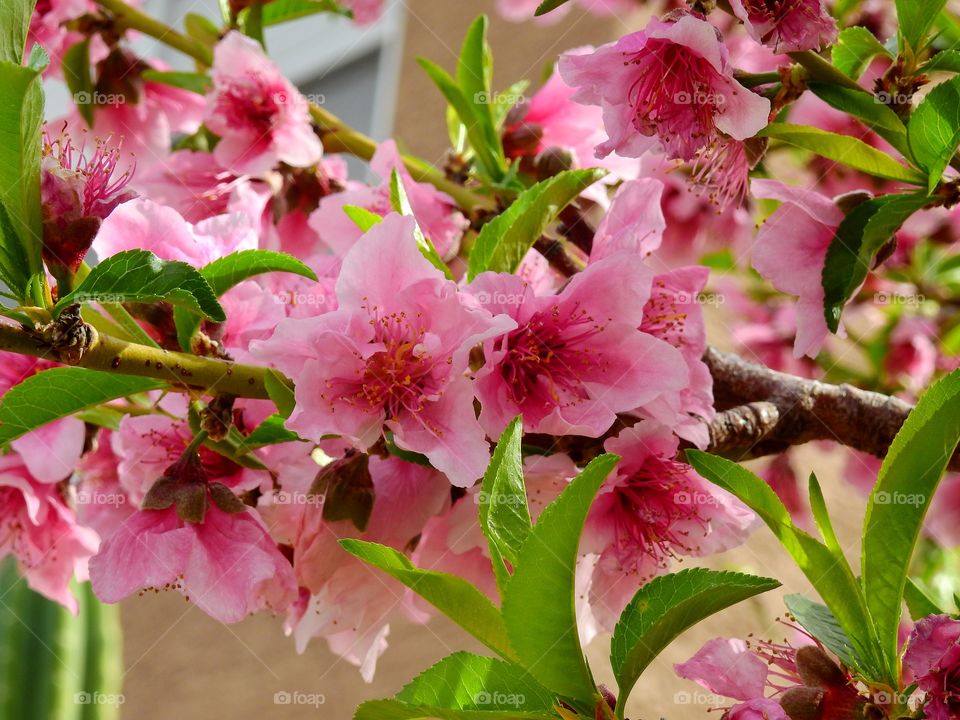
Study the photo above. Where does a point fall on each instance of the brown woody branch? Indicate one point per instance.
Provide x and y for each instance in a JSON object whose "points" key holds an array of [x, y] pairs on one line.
{"points": [[763, 412]]}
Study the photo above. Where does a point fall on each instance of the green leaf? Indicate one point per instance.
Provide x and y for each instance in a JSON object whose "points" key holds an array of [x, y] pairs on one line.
{"points": [[818, 508], [475, 79], [905, 487], [484, 144], [504, 241], [538, 605], [281, 11], [916, 17], [829, 573], [934, 129], [140, 276], [270, 432], [250, 21], [201, 28], [844, 149], [919, 603], [195, 82], [856, 47], [665, 607], [79, 78], [21, 120], [59, 392], [453, 596], [549, 6], [14, 23], [817, 620], [38, 60], [868, 109], [858, 239], [504, 512], [945, 60], [362, 218], [401, 204], [281, 390], [397, 710]]}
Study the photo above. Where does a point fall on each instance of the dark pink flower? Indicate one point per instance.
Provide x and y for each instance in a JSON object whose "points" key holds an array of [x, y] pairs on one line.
{"points": [[262, 119], [933, 657], [787, 25], [671, 82]]}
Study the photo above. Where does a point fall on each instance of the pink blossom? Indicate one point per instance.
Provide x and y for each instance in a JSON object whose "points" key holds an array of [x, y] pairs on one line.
{"points": [[780, 476], [787, 25], [651, 511], [790, 252], [365, 12], [260, 116], [42, 533], [674, 314], [192, 183], [146, 225], [435, 211], [671, 80], [227, 564], [577, 358], [392, 357], [757, 709], [634, 222], [726, 667], [933, 657], [520, 10], [101, 503], [912, 355], [48, 28]]}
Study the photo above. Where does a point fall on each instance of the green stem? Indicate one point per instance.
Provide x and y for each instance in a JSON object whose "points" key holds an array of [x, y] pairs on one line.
{"points": [[131, 18], [752, 80], [820, 70], [337, 136], [185, 373]]}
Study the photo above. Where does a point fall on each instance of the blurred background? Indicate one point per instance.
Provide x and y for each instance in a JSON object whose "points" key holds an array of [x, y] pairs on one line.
{"points": [[181, 663]]}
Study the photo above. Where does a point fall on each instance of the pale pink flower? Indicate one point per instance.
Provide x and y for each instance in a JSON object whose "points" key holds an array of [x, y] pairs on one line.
{"points": [[100, 501], [757, 709], [671, 81], [227, 565], [48, 29], [634, 221], [393, 357], [790, 251], [933, 657], [520, 10], [726, 667], [651, 511], [365, 12], [192, 183], [435, 211], [262, 119], [42, 533], [576, 358], [912, 355], [787, 25]]}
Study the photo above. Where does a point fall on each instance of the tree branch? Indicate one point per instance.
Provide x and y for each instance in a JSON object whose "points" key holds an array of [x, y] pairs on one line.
{"points": [[765, 412]]}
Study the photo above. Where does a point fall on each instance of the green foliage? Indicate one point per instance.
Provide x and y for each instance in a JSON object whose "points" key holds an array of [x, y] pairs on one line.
{"points": [[817, 620], [866, 108], [79, 78], [140, 276], [664, 608], [61, 392], [916, 17], [14, 23], [504, 241], [908, 479], [401, 204], [856, 47], [934, 129]]}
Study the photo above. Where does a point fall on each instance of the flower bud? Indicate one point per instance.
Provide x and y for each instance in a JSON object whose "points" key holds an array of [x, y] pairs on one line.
{"points": [[347, 489]]}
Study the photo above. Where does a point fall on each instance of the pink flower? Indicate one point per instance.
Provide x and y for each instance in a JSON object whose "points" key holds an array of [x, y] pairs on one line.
{"points": [[146, 225], [634, 222], [757, 709], [227, 564], [577, 358], [912, 355], [48, 28], [392, 357], [192, 183], [787, 25], [260, 116], [520, 10], [364, 12], [672, 81], [726, 667], [790, 252], [780, 476], [435, 211], [101, 503], [933, 657], [651, 511], [42, 533], [674, 314]]}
